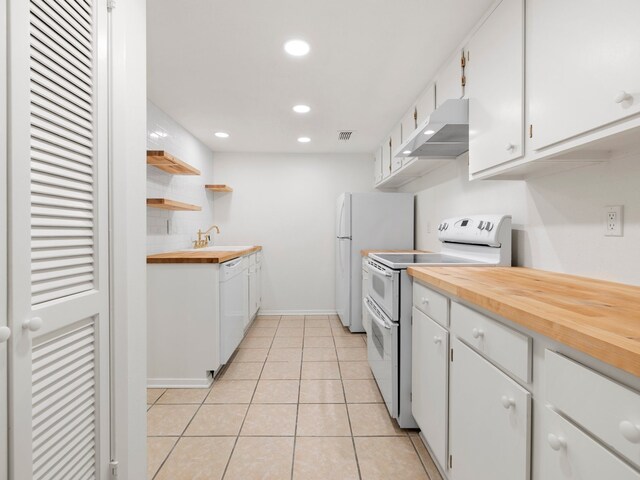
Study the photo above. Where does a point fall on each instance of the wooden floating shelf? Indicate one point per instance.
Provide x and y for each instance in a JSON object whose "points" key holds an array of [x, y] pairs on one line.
{"points": [[219, 188], [166, 204], [170, 164]]}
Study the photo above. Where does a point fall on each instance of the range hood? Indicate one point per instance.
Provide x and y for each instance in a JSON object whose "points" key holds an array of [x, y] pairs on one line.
{"points": [[445, 134]]}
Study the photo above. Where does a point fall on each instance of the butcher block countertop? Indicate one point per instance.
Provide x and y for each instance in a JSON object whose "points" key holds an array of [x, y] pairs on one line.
{"points": [[365, 253], [599, 318], [203, 256]]}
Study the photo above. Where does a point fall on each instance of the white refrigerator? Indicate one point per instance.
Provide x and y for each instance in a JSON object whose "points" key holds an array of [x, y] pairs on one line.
{"points": [[366, 221]]}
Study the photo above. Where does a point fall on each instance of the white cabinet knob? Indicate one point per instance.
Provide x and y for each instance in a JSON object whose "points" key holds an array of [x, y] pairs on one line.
{"points": [[630, 431], [621, 97], [477, 333], [5, 333], [437, 339], [509, 146], [33, 325], [507, 402], [425, 300], [557, 442]]}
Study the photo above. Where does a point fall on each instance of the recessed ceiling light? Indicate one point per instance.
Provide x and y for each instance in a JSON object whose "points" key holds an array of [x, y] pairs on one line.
{"points": [[302, 108], [429, 132], [297, 48], [221, 134], [406, 152], [304, 139]]}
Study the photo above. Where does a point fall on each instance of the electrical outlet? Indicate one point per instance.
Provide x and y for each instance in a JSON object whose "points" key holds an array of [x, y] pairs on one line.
{"points": [[613, 221]]}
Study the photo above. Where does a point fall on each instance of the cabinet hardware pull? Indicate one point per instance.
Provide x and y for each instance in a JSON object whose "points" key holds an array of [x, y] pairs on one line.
{"points": [[556, 442], [630, 431], [477, 333], [33, 325], [437, 339], [622, 96], [5, 333], [507, 402]]}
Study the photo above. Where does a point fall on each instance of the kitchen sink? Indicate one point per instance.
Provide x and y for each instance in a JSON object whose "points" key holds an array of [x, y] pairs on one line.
{"points": [[221, 248]]}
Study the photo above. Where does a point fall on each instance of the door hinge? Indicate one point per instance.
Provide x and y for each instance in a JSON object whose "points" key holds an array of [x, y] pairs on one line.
{"points": [[463, 60], [113, 468], [411, 396], [450, 461], [452, 354], [531, 130], [463, 81]]}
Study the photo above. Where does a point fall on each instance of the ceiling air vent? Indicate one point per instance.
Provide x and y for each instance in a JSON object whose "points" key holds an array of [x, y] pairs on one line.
{"points": [[344, 135]]}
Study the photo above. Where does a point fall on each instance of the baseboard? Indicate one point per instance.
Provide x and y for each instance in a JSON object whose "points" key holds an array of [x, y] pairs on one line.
{"points": [[179, 382], [297, 312]]}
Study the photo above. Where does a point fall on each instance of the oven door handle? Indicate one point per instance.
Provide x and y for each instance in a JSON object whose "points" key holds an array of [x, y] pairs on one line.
{"points": [[377, 319]]}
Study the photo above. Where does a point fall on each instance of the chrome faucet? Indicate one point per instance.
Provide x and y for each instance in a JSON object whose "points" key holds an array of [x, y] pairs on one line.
{"points": [[204, 238]]}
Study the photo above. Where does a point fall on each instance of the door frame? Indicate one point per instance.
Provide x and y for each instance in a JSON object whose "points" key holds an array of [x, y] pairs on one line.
{"points": [[128, 269], [4, 439]]}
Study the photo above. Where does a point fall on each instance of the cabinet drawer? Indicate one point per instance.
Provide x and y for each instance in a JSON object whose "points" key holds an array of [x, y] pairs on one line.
{"points": [[434, 304], [569, 454], [604, 407], [506, 347]]}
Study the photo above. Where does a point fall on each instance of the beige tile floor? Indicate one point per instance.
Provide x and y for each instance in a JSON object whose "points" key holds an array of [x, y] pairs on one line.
{"points": [[296, 402]]}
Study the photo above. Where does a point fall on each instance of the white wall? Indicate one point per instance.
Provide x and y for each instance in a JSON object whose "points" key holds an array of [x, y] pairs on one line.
{"points": [[558, 219], [164, 133], [286, 203]]}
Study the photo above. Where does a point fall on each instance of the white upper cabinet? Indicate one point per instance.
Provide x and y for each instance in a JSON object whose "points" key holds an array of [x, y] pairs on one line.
{"points": [[386, 158], [450, 81], [426, 104], [495, 88], [582, 64], [377, 165], [396, 141]]}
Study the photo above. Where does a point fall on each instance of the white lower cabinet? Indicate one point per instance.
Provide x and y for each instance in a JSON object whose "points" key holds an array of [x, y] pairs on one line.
{"points": [[429, 382], [570, 454], [254, 273], [489, 420]]}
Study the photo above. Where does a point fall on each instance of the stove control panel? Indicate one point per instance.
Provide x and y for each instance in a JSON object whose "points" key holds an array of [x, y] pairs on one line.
{"points": [[476, 229]]}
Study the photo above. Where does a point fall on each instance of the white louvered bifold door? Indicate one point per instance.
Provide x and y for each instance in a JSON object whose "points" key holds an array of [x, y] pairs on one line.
{"points": [[59, 285]]}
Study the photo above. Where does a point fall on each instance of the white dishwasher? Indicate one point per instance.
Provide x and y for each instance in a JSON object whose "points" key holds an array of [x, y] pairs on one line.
{"points": [[234, 305]]}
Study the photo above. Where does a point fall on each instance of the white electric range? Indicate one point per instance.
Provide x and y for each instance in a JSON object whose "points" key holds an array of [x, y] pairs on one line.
{"points": [[477, 240]]}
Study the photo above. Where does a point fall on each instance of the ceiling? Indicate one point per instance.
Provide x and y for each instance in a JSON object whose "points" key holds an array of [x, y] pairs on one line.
{"points": [[219, 65]]}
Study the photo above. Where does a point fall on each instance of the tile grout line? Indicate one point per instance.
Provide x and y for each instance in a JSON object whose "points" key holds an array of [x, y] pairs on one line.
{"points": [[295, 430], [346, 406], [235, 443]]}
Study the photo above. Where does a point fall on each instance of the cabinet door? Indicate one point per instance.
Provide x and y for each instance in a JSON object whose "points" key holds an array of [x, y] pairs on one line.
{"points": [[426, 104], [495, 88], [449, 81], [582, 64], [259, 285], [396, 141], [570, 454], [409, 123], [386, 158], [429, 384], [489, 420], [377, 165], [253, 293]]}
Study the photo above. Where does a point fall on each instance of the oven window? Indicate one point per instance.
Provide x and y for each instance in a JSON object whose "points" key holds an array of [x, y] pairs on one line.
{"points": [[378, 285], [378, 339]]}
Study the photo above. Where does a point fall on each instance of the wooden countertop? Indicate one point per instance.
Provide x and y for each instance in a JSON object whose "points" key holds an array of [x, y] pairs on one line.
{"points": [[365, 253], [196, 256], [599, 318]]}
